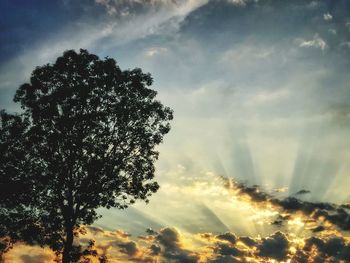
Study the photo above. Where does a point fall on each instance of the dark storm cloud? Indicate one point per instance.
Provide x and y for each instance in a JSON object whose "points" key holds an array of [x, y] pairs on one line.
{"points": [[150, 231], [346, 206], [335, 214], [225, 259], [228, 250], [277, 222], [169, 239], [169, 245], [180, 256], [252, 191], [302, 192], [228, 237], [155, 249], [130, 248], [275, 246], [318, 229], [225, 247], [250, 242], [166, 243], [272, 247], [117, 239], [334, 247], [95, 230]]}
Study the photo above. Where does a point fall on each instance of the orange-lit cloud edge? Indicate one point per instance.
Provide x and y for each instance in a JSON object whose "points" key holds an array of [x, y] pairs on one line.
{"points": [[308, 232]]}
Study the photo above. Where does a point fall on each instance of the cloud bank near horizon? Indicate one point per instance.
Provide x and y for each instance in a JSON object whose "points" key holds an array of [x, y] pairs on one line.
{"points": [[169, 244]]}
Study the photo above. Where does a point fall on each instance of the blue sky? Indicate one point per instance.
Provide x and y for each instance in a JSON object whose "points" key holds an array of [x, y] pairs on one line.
{"points": [[260, 92]]}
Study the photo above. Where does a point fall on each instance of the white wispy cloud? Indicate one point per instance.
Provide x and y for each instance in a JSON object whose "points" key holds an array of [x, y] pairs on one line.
{"points": [[132, 7], [161, 17], [347, 24], [261, 98], [316, 42], [238, 2], [155, 51], [327, 16]]}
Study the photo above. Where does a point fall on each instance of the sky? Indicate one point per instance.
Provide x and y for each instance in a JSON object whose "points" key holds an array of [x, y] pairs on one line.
{"points": [[256, 165]]}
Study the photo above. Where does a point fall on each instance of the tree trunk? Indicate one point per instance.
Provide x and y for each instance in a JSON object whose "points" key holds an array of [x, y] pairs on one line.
{"points": [[66, 257]]}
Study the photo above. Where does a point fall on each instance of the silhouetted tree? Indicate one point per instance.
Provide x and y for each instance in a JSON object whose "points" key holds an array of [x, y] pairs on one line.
{"points": [[86, 139]]}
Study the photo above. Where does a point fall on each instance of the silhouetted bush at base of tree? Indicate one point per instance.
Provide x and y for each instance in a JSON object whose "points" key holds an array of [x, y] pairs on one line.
{"points": [[86, 139]]}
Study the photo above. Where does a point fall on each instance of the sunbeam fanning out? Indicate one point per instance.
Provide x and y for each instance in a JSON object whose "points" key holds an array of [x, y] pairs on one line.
{"points": [[256, 165]]}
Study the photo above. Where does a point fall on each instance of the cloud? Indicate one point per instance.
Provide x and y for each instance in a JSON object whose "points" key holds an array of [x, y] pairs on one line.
{"points": [[108, 5], [171, 245], [22, 253], [228, 237], [156, 249], [131, 8], [95, 230], [250, 242], [151, 52], [316, 42], [327, 17], [280, 247], [225, 259], [267, 97], [332, 247], [238, 2], [127, 21], [170, 240], [302, 192], [275, 246], [318, 212], [36, 258], [129, 248], [227, 250], [318, 229]]}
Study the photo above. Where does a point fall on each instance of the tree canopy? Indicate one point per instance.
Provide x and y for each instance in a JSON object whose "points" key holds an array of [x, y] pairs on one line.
{"points": [[86, 139]]}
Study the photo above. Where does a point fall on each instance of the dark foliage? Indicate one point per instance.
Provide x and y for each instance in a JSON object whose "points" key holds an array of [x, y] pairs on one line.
{"points": [[86, 139]]}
